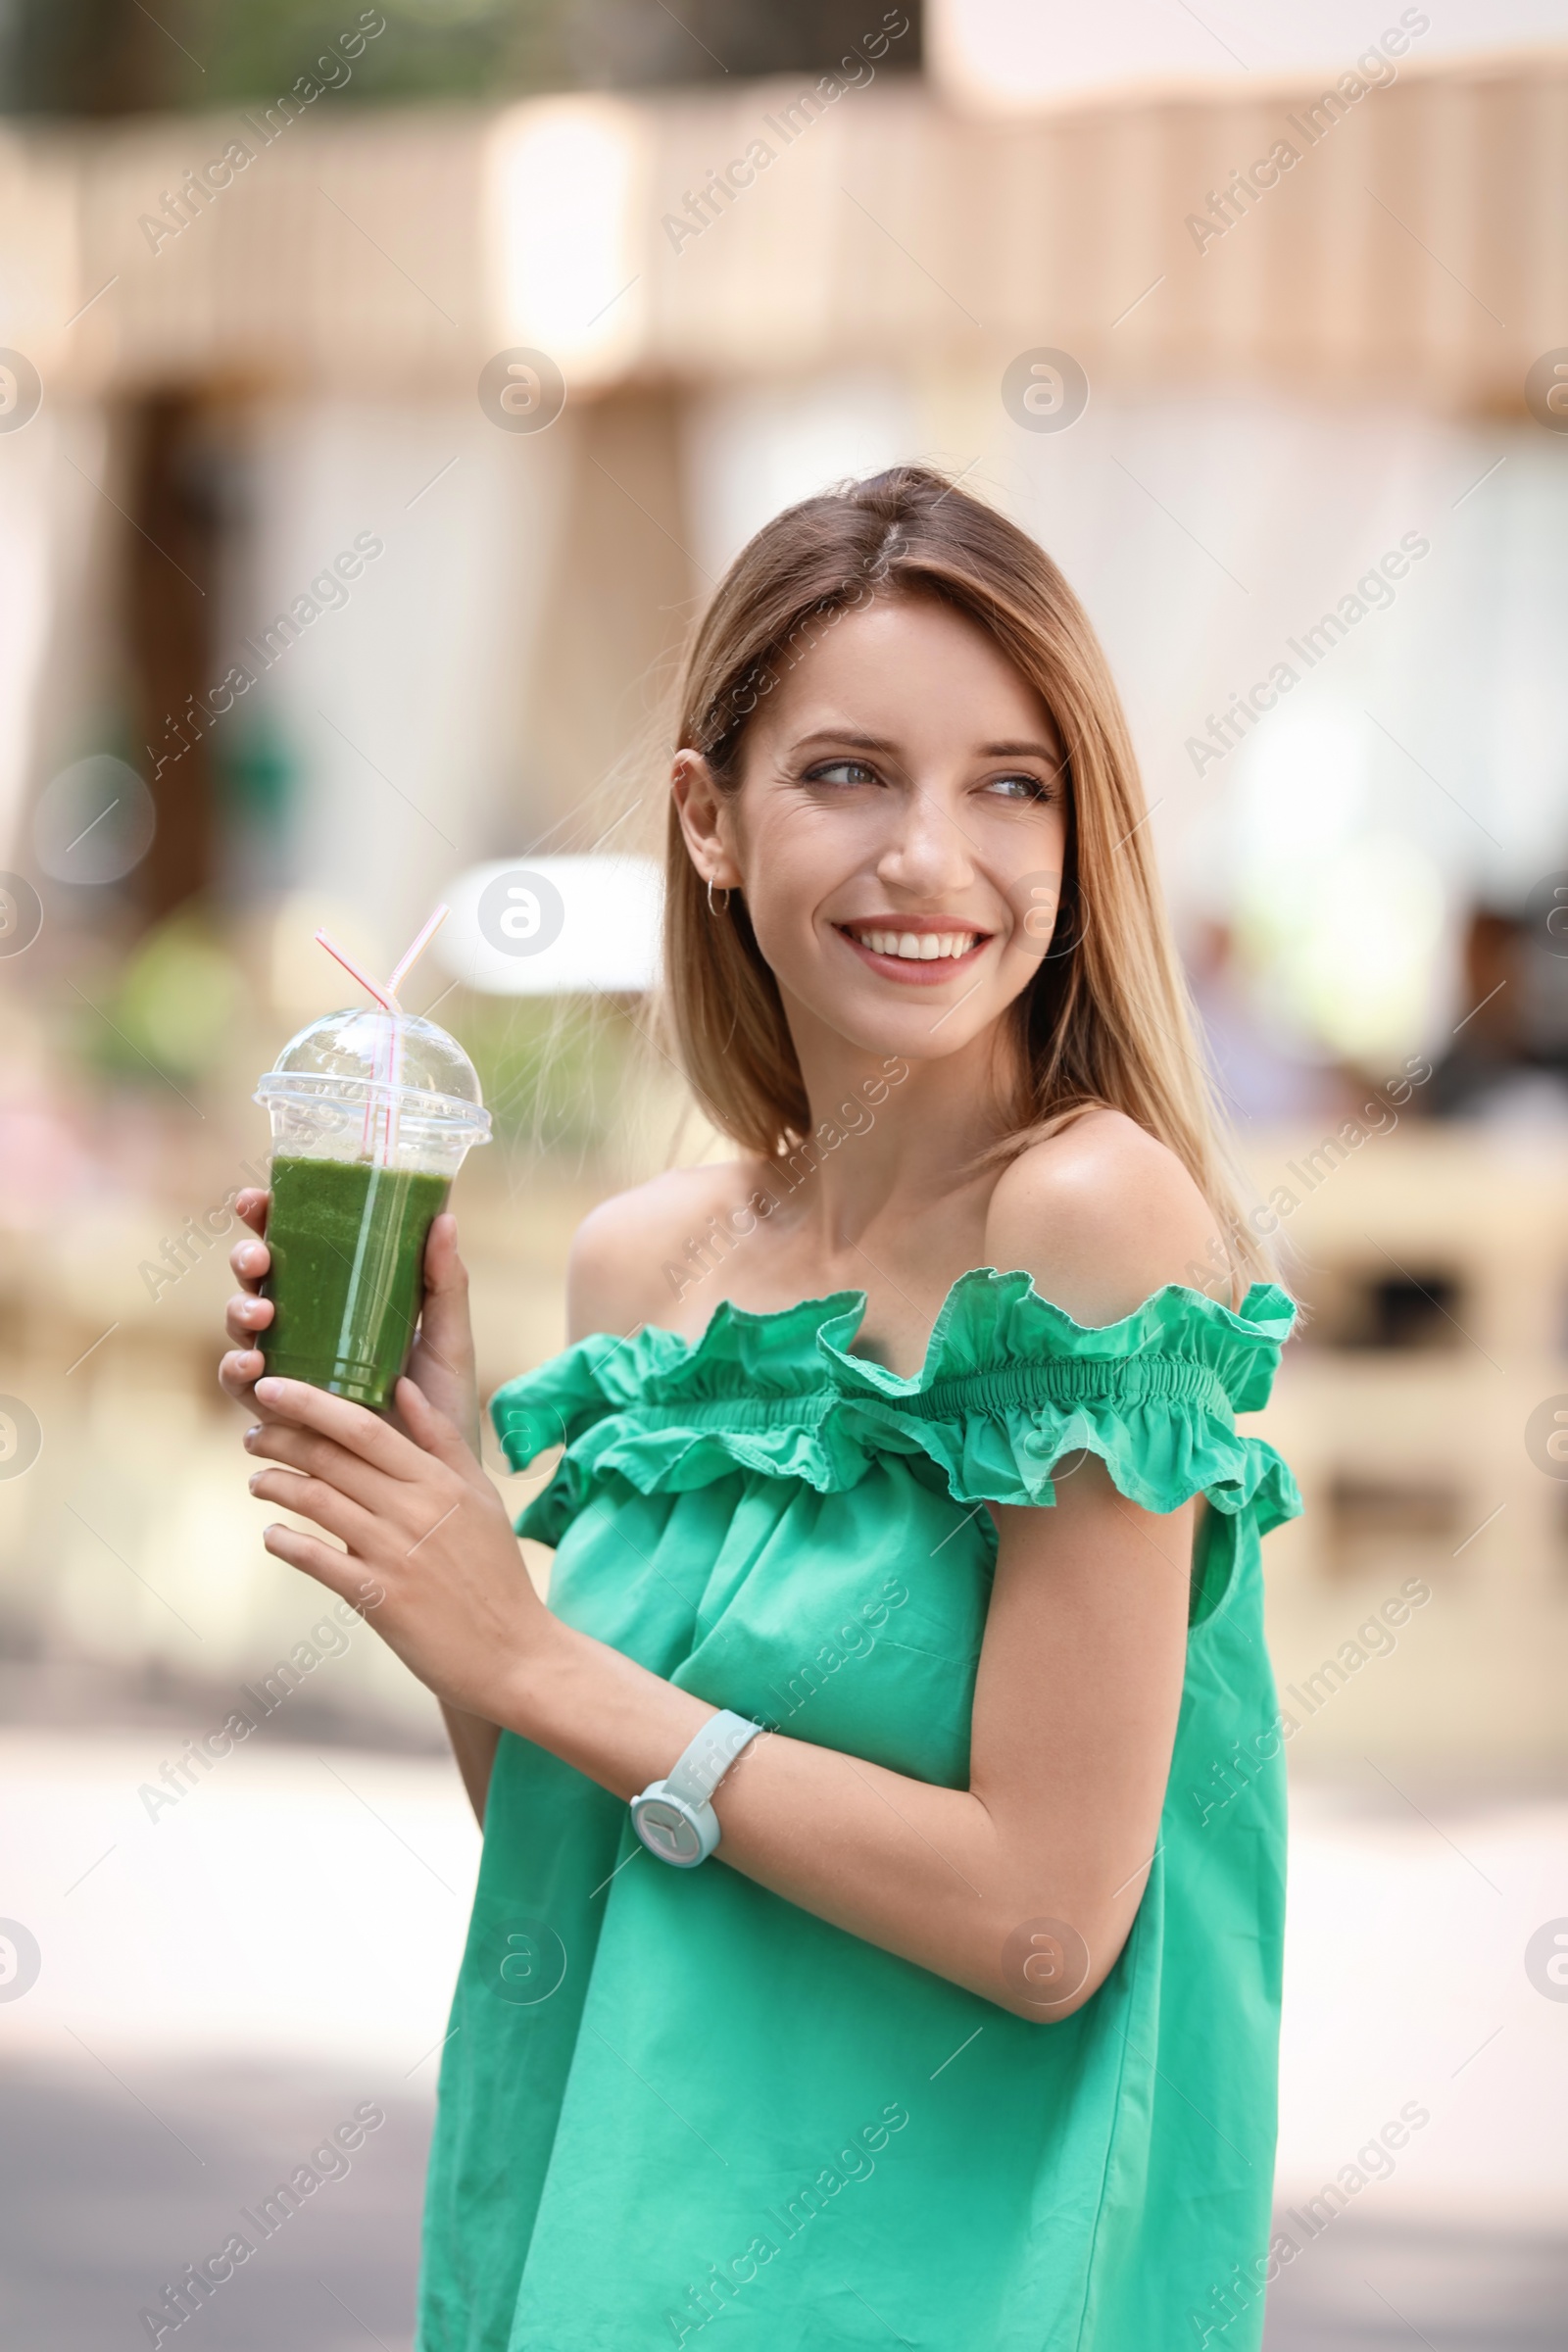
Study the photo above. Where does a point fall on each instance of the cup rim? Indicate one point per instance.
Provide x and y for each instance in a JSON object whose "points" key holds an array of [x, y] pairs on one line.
{"points": [[451, 1112]]}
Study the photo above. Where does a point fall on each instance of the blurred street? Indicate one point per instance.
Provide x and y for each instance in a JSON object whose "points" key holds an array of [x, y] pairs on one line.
{"points": [[101, 2206], [104, 2206]]}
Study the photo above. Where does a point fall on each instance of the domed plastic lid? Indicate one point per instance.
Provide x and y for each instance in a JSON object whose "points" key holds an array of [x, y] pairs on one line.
{"points": [[391, 1059]]}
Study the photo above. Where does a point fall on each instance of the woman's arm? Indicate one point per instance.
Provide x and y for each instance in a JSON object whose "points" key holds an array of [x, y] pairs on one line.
{"points": [[1024, 1884], [475, 1741]]}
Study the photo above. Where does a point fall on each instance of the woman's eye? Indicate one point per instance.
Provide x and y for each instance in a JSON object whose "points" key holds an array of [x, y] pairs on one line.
{"points": [[840, 771], [1019, 788]]}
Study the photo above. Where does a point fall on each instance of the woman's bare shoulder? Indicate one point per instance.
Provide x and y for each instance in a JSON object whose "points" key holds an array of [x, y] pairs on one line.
{"points": [[1101, 1216], [633, 1254]]}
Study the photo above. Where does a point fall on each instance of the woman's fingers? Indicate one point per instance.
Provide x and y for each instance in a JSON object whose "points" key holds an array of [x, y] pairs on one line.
{"points": [[352, 1426], [251, 1260], [442, 1359], [238, 1372], [245, 1315], [338, 1570], [314, 1498], [252, 1206], [250, 1257], [431, 1430], [446, 1286], [324, 1458]]}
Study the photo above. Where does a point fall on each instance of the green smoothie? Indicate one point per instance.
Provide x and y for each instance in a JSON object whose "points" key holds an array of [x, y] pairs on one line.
{"points": [[347, 1240]]}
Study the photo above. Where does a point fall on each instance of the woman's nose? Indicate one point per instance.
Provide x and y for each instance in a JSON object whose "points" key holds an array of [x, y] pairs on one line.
{"points": [[927, 850]]}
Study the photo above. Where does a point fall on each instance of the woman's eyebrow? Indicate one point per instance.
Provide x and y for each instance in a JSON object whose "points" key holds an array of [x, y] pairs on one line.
{"points": [[1022, 750], [861, 742]]}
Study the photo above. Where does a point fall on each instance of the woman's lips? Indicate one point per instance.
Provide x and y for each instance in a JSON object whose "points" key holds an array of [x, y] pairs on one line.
{"points": [[916, 972]]}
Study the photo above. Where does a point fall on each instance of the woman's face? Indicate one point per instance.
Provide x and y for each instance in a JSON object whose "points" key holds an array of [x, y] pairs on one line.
{"points": [[899, 832]]}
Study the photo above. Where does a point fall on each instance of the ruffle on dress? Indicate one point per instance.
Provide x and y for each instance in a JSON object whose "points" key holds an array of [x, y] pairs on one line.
{"points": [[1009, 1386]]}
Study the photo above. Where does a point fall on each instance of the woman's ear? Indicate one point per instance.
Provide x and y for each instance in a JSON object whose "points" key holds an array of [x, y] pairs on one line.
{"points": [[705, 820]]}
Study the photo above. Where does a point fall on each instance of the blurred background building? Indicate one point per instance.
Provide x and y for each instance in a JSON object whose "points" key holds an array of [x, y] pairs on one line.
{"points": [[382, 393]]}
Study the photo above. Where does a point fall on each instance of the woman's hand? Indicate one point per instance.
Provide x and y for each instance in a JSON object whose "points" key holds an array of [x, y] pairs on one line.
{"points": [[430, 1558], [442, 1361]]}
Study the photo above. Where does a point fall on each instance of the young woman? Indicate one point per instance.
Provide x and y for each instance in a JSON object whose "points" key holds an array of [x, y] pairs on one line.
{"points": [[965, 2035]]}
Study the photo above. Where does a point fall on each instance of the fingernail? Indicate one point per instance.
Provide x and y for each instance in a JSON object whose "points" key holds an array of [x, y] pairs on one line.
{"points": [[268, 1390]]}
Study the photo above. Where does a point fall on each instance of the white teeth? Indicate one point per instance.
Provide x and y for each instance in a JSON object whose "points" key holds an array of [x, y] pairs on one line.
{"points": [[917, 947]]}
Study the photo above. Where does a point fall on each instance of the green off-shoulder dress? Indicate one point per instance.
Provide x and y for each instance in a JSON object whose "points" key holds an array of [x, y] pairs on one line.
{"points": [[671, 2101]]}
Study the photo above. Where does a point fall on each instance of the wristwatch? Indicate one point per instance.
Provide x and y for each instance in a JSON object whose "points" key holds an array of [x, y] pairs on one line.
{"points": [[675, 1817]]}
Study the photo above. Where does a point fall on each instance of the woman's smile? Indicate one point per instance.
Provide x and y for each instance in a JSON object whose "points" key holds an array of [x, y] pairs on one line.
{"points": [[921, 950]]}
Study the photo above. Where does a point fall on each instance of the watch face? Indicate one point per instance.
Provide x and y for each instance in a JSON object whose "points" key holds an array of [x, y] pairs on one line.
{"points": [[664, 1827]]}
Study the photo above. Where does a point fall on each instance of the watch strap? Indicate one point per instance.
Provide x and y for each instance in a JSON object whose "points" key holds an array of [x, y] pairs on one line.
{"points": [[702, 1764]]}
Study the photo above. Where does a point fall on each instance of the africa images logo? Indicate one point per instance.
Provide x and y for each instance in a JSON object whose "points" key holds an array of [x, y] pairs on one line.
{"points": [[522, 912], [20, 1959], [1546, 1959]]}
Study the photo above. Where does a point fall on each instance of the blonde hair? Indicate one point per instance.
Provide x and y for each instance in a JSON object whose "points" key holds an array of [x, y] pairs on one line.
{"points": [[1107, 1020]]}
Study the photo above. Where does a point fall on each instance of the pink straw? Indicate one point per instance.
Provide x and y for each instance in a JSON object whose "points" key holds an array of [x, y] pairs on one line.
{"points": [[400, 971], [387, 999], [382, 996]]}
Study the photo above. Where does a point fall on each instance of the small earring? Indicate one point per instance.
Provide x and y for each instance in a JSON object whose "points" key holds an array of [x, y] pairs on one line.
{"points": [[711, 909]]}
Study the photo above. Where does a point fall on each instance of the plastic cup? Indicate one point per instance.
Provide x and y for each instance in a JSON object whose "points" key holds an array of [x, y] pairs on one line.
{"points": [[372, 1115]]}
